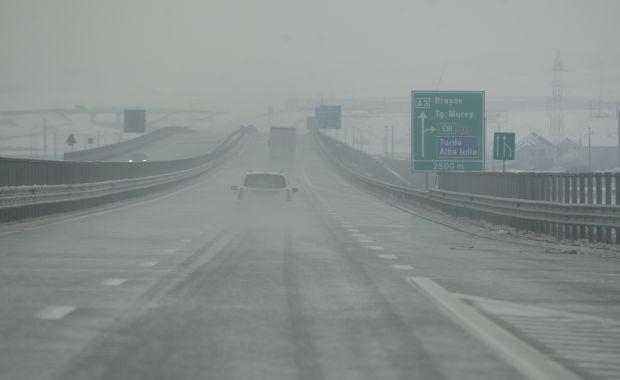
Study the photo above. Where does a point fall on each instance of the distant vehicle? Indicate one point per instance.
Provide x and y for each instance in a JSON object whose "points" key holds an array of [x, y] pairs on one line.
{"points": [[282, 143], [265, 186], [138, 157]]}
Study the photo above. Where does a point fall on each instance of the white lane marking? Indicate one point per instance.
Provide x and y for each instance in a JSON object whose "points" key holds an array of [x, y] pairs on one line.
{"points": [[387, 257], [402, 267], [375, 247], [148, 263], [170, 250], [529, 361], [353, 230], [359, 235], [384, 225], [366, 240], [527, 311], [114, 282], [55, 312], [186, 240]]}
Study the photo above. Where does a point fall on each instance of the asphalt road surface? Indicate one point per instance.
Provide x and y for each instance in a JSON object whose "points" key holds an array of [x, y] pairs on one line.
{"points": [[191, 284]]}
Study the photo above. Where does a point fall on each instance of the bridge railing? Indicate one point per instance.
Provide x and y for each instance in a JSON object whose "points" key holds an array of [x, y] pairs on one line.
{"points": [[548, 212], [37, 187]]}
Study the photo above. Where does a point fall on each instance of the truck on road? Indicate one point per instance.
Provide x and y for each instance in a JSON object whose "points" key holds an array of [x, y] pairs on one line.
{"points": [[282, 143]]}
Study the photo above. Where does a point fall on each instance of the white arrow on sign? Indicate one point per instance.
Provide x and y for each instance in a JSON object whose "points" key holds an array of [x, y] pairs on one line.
{"points": [[497, 146], [422, 116], [507, 147]]}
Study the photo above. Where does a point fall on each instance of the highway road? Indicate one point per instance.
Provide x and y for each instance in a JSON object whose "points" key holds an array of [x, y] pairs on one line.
{"points": [[190, 284]]}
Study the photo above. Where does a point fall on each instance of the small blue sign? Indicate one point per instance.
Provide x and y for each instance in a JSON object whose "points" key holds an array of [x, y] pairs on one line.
{"points": [[461, 147]]}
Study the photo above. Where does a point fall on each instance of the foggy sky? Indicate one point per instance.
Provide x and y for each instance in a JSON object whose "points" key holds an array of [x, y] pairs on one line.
{"points": [[246, 55]]}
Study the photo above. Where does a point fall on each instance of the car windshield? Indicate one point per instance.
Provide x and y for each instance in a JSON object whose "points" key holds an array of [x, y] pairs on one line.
{"points": [[265, 181]]}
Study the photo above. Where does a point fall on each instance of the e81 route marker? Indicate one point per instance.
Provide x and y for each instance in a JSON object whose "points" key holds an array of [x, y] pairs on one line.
{"points": [[447, 131]]}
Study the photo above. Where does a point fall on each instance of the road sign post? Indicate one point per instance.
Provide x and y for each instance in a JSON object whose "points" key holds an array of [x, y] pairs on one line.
{"points": [[504, 147], [447, 131]]}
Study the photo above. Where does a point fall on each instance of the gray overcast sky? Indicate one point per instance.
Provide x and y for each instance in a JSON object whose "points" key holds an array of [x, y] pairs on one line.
{"points": [[245, 55]]}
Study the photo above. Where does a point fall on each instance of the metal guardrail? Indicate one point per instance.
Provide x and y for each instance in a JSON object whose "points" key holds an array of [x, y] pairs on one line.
{"points": [[596, 222], [582, 188], [18, 202]]}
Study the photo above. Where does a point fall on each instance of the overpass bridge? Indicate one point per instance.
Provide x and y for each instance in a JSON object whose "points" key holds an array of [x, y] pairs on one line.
{"points": [[360, 277], [116, 111]]}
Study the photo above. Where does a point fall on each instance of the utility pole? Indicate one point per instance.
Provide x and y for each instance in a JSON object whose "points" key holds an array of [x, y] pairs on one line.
{"points": [[618, 116], [392, 155], [45, 138], [385, 142], [589, 149], [55, 156]]}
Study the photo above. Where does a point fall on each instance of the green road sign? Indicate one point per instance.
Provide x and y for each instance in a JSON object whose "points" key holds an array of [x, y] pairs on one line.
{"points": [[447, 131], [504, 146], [328, 117]]}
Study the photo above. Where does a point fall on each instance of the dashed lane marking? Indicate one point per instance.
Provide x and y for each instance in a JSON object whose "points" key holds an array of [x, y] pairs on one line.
{"points": [[359, 235], [366, 241], [353, 230], [148, 264], [170, 250], [387, 257], [186, 240], [55, 313], [114, 282], [375, 247], [525, 358], [402, 267]]}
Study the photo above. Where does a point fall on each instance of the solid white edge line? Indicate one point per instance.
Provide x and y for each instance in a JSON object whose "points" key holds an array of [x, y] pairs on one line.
{"points": [[402, 267], [54, 313], [114, 282], [526, 359]]}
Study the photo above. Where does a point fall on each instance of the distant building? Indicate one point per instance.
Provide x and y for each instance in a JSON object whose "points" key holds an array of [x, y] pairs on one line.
{"points": [[534, 152]]}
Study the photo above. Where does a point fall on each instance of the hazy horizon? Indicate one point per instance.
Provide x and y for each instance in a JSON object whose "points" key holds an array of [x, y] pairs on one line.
{"points": [[242, 57]]}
